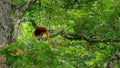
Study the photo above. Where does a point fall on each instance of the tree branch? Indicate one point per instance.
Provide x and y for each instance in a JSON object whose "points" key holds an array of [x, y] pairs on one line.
{"points": [[22, 12], [114, 59], [57, 32], [73, 36], [31, 20], [18, 16]]}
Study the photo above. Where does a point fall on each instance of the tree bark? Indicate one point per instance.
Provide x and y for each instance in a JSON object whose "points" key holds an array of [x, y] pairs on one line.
{"points": [[5, 25], [8, 27], [5, 21]]}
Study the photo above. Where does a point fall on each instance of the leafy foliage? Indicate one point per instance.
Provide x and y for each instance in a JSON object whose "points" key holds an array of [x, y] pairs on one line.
{"points": [[97, 18]]}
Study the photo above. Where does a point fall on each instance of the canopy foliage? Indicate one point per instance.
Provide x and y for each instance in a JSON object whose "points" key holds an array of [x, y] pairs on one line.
{"points": [[90, 36]]}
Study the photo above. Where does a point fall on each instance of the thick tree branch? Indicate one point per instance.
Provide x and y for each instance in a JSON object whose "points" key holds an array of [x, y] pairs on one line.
{"points": [[51, 35], [57, 32], [26, 7], [73, 36], [31, 20], [18, 16]]}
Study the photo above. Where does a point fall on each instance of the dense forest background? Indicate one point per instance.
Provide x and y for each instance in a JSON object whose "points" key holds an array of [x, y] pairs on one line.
{"points": [[83, 34]]}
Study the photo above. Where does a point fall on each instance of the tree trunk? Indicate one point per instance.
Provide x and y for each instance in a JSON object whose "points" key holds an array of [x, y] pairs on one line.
{"points": [[6, 26]]}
